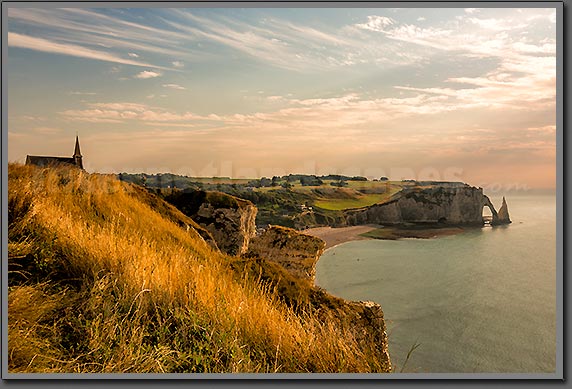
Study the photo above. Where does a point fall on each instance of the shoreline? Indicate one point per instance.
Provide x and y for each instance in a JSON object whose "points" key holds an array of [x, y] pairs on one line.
{"points": [[338, 235], [334, 236]]}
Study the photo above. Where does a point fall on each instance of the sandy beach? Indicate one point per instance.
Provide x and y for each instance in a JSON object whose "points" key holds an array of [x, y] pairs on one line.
{"points": [[335, 236]]}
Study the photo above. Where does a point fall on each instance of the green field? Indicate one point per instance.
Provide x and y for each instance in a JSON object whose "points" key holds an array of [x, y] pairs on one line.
{"points": [[356, 195], [360, 200], [341, 204]]}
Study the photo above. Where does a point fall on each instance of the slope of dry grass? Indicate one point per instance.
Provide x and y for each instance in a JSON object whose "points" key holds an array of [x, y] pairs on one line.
{"points": [[103, 280]]}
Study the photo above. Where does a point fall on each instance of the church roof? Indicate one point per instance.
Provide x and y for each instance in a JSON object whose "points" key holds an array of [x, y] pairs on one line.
{"points": [[77, 152], [39, 160]]}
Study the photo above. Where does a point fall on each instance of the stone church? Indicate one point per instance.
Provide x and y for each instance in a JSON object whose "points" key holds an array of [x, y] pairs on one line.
{"points": [[47, 161]]}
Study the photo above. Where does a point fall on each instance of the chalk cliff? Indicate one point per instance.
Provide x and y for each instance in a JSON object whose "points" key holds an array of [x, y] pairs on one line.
{"points": [[296, 252], [229, 220], [503, 216], [286, 258], [458, 205]]}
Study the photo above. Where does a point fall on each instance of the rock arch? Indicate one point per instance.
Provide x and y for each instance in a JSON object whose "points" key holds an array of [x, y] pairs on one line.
{"points": [[487, 203]]}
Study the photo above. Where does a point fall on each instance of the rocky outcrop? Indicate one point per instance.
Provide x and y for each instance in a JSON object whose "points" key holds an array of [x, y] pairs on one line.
{"points": [[369, 326], [361, 320], [366, 322], [172, 213], [231, 228], [228, 219], [294, 251], [502, 216], [457, 205]]}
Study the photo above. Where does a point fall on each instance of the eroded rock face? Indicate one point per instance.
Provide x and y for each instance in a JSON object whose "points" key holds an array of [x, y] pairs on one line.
{"points": [[366, 322], [459, 205], [228, 219], [295, 251], [295, 255], [503, 216], [231, 228], [370, 327]]}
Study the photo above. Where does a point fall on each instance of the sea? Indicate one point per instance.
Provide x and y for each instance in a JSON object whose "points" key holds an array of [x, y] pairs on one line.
{"points": [[483, 301]]}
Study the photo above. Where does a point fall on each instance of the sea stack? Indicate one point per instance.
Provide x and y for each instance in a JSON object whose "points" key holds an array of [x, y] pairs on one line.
{"points": [[503, 216]]}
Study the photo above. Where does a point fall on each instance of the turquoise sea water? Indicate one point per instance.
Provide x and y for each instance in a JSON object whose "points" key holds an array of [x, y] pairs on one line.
{"points": [[480, 301]]}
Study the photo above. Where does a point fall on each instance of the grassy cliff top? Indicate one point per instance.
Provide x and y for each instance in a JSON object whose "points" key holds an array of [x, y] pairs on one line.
{"points": [[105, 277]]}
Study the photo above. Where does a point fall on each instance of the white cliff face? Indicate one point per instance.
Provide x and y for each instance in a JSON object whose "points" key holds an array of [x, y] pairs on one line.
{"points": [[503, 216], [436, 204], [294, 251]]}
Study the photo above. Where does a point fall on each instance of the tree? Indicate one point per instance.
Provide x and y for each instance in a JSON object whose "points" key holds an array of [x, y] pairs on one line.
{"points": [[339, 183]]}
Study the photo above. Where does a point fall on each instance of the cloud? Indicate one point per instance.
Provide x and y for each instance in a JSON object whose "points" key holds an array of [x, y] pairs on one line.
{"points": [[421, 19], [125, 111], [376, 23], [544, 129], [32, 118], [39, 44], [76, 93], [497, 24], [121, 106], [471, 10], [178, 64], [47, 130], [174, 86], [92, 116], [281, 43], [147, 74], [89, 28]]}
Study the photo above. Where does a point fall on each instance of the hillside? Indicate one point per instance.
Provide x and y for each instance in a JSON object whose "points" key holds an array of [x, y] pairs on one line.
{"points": [[296, 201], [107, 277]]}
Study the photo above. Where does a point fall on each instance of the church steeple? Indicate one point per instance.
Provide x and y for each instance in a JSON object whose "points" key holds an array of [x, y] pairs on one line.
{"points": [[77, 153]]}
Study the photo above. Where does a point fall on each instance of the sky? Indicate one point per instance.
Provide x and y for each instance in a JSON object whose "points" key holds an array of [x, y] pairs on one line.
{"points": [[457, 94]]}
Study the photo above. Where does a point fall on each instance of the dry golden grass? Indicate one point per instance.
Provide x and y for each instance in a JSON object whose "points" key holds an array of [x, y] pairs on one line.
{"points": [[114, 286]]}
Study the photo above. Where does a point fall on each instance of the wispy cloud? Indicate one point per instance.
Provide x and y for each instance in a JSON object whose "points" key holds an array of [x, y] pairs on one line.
{"points": [[47, 130], [174, 86], [178, 64], [126, 111], [39, 44], [376, 23], [281, 43], [551, 129], [93, 29], [76, 93], [147, 74]]}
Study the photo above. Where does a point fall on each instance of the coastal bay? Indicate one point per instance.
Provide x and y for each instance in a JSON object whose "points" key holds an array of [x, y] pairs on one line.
{"points": [[480, 301]]}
